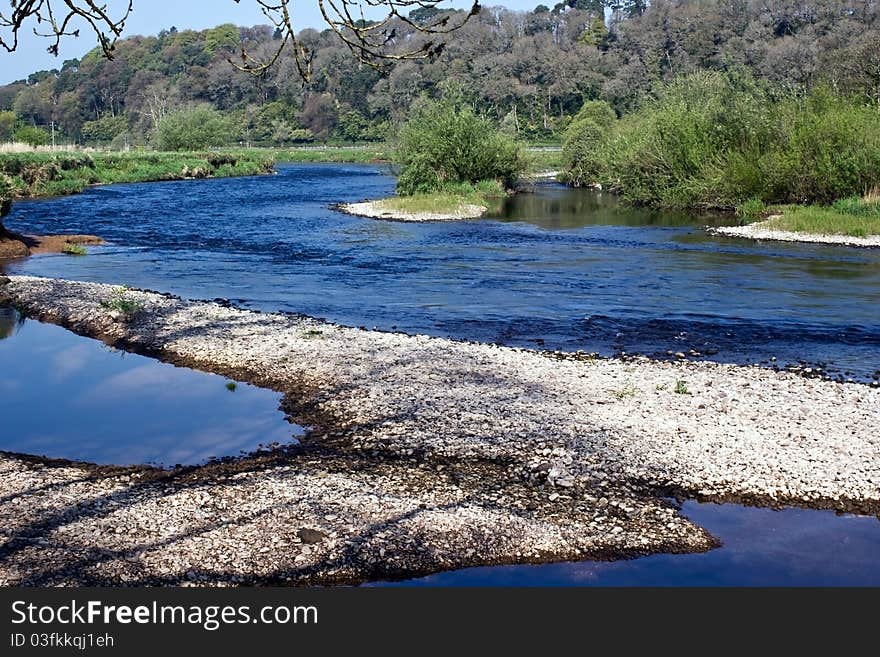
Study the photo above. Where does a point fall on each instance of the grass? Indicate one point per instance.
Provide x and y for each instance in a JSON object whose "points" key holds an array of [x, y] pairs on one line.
{"points": [[40, 174], [681, 387], [74, 249], [629, 390], [449, 201], [121, 301], [853, 217], [379, 152]]}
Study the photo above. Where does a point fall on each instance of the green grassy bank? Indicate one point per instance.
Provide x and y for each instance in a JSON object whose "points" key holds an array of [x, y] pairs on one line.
{"points": [[40, 174], [852, 217]]}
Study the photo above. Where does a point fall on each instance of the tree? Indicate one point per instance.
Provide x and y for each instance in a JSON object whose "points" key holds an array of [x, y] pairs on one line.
{"points": [[222, 37], [193, 129], [31, 136], [367, 40], [444, 143], [105, 129], [7, 125]]}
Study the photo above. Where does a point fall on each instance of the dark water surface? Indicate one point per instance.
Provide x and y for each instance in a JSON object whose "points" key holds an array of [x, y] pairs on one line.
{"points": [[760, 547], [562, 268], [65, 396]]}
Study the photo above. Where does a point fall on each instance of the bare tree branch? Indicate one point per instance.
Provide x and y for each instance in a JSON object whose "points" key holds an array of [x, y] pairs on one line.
{"points": [[371, 41]]}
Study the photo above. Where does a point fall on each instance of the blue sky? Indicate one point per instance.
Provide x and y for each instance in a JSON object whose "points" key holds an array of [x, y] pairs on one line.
{"points": [[151, 16]]}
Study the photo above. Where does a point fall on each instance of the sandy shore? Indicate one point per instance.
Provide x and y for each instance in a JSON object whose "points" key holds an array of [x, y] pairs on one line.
{"points": [[376, 210], [760, 231], [425, 454]]}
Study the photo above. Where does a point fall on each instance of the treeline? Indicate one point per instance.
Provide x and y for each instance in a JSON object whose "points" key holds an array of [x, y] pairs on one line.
{"points": [[528, 72]]}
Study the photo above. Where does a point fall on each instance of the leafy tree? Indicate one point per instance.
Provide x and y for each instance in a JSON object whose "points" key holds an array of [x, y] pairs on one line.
{"points": [[192, 129], [8, 120], [105, 129], [223, 37], [444, 143], [31, 136]]}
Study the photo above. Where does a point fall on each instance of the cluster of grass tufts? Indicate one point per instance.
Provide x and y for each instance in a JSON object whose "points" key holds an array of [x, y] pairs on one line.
{"points": [[121, 301], [74, 249], [717, 140]]}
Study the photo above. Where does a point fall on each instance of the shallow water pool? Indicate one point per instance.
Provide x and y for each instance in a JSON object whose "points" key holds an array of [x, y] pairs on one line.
{"points": [[65, 396]]}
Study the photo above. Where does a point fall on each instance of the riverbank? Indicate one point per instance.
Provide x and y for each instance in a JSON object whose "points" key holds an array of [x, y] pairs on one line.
{"points": [[425, 454], [45, 174]]}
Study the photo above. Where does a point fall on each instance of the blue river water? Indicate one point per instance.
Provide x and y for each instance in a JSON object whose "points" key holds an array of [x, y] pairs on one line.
{"points": [[557, 269], [65, 396]]}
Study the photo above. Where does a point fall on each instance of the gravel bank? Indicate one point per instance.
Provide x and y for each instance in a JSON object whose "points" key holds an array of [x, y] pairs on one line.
{"points": [[759, 231], [376, 210], [425, 454]]}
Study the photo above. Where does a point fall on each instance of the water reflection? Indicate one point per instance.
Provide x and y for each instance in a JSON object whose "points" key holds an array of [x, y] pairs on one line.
{"points": [[64, 396], [556, 207], [10, 322], [760, 547]]}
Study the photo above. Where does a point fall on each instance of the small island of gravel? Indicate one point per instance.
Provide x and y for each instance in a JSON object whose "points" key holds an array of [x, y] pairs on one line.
{"points": [[423, 454], [769, 230], [393, 210]]}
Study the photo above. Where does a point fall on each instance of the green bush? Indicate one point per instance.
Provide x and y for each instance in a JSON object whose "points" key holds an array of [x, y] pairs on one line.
{"points": [[720, 139], [751, 210], [31, 136], [444, 143], [193, 129], [6, 195]]}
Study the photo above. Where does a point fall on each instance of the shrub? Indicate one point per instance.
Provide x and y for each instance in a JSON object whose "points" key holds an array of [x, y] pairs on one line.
{"points": [[445, 143], [193, 129], [751, 210], [6, 193], [31, 136], [715, 139], [582, 154]]}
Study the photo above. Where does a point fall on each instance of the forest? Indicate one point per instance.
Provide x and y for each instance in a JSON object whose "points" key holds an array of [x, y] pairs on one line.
{"points": [[527, 72]]}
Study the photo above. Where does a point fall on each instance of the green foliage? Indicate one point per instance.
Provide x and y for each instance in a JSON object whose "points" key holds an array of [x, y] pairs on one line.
{"points": [[105, 129], [751, 209], [584, 141], [7, 192], [121, 301], [31, 136], [53, 174], [721, 139], [223, 37], [445, 143], [681, 387], [193, 129], [8, 121], [74, 249], [853, 217]]}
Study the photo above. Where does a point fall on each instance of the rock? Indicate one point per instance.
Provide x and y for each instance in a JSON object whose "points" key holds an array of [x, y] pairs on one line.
{"points": [[311, 536]]}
